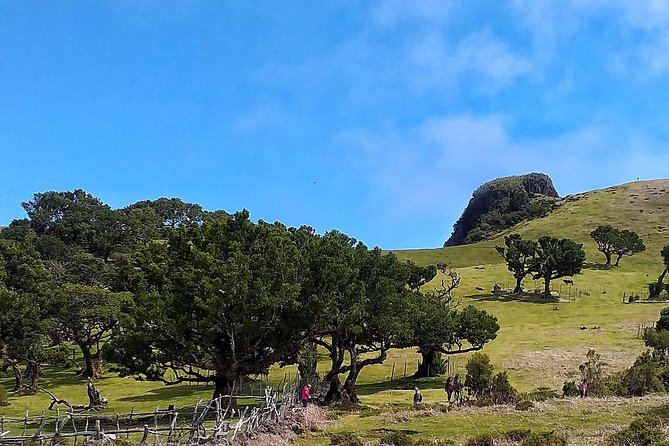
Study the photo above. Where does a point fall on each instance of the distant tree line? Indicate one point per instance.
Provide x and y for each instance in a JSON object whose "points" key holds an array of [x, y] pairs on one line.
{"points": [[170, 292]]}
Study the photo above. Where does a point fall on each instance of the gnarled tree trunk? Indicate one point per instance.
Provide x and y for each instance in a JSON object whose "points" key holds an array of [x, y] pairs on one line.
{"points": [[427, 367]]}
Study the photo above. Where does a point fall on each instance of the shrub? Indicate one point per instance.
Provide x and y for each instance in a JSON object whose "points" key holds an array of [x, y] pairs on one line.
{"points": [[524, 405], [346, 439], [641, 379], [569, 388], [593, 371], [501, 390], [544, 393], [4, 397], [545, 439], [434, 442], [481, 440], [517, 435], [397, 438], [479, 375], [642, 432]]}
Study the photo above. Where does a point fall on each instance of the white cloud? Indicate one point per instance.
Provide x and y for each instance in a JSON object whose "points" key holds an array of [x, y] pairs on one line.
{"points": [[421, 173]]}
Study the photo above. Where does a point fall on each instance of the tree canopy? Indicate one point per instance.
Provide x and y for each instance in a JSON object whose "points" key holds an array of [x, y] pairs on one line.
{"points": [[173, 293], [557, 258], [520, 256], [611, 240]]}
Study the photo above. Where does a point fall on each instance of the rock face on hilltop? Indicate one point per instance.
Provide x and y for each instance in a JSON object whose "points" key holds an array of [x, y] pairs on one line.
{"points": [[502, 203]]}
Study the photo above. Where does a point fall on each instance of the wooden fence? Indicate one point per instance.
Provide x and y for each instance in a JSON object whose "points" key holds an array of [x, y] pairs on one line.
{"points": [[219, 419]]}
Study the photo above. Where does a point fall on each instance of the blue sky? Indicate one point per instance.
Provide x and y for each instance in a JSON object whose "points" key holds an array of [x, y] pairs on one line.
{"points": [[375, 118]]}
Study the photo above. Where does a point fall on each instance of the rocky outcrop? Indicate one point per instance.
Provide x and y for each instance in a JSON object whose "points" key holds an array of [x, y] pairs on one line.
{"points": [[502, 203]]}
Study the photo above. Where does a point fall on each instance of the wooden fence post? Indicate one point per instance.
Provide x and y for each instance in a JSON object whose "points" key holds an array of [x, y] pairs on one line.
{"points": [[142, 442]]}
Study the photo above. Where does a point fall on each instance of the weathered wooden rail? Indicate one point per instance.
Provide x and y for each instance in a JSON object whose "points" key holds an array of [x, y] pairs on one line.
{"points": [[218, 419]]}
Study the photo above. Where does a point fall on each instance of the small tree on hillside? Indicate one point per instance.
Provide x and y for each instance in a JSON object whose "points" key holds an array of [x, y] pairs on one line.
{"points": [[519, 255], [612, 241], [606, 237], [628, 244], [87, 315], [657, 287], [557, 258]]}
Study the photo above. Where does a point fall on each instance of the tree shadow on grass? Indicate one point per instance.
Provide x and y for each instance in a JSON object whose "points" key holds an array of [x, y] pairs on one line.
{"points": [[533, 298], [400, 384], [166, 393], [597, 266]]}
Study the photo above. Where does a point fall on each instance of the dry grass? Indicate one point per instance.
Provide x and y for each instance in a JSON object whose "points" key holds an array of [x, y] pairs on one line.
{"points": [[561, 363], [298, 421]]}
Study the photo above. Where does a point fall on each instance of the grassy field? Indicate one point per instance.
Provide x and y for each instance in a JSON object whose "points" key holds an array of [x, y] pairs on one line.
{"points": [[540, 343]]}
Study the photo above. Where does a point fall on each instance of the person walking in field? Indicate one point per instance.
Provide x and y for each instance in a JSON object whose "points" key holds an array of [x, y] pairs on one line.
{"points": [[457, 389], [417, 397], [449, 387], [305, 394]]}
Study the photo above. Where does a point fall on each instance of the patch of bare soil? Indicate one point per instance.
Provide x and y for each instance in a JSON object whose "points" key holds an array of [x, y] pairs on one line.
{"points": [[559, 364]]}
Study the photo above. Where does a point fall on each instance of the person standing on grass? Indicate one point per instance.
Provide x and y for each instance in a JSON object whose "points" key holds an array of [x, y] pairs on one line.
{"points": [[449, 387], [304, 395], [457, 389], [417, 397], [583, 388]]}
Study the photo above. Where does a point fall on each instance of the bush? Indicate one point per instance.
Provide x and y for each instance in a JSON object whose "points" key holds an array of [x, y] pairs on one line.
{"points": [[641, 379], [481, 440], [544, 393], [4, 397], [501, 390], [517, 435], [642, 432], [593, 371], [346, 439], [397, 438], [569, 388], [524, 405], [434, 442], [545, 439], [479, 375]]}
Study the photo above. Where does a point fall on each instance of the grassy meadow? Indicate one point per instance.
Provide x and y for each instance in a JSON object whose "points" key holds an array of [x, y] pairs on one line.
{"points": [[540, 343]]}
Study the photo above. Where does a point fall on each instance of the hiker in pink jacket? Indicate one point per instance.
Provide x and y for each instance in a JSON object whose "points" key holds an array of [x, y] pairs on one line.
{"points": [[304, 395]]}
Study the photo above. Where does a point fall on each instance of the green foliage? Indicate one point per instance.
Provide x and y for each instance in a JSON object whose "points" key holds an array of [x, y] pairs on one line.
{"points": [[524, 405], [655, 289], [346, 439], [569, 388], [307, 363], [542, 394], [545, 439], [479, 375], [434, 442], [227, 292], [397, 438], [557, 258], [4, 396], [481, 440], [592, 370], [645, 431], [501, 390], [644, 376], [516, 435], [519, 255]]}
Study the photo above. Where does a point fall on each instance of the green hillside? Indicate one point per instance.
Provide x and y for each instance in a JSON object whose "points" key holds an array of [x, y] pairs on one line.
{"points": [[541, 343]]}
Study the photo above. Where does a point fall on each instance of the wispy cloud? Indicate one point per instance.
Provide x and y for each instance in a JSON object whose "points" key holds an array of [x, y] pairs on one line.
{"points": [[427, 170]]}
